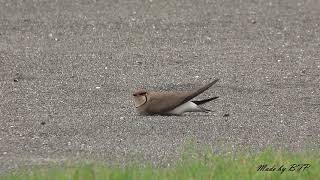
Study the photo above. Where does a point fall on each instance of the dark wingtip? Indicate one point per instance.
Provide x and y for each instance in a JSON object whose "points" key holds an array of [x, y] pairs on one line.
{"points": [[199, 91], [207, 86], [214, 81]]}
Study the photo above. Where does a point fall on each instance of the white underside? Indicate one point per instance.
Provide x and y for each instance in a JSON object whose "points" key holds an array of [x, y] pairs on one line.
{"points": [[186, 107]]}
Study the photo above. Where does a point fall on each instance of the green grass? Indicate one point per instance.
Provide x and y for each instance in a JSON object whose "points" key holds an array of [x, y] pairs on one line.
{"points": [[191, 166]]}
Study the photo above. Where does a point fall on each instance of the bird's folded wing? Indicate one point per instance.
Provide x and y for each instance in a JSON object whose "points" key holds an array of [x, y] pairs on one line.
{"points": [[161, 102]]}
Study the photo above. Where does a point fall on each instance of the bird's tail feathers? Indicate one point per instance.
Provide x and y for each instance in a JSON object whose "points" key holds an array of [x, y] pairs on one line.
{"points": [[199, 91], [204, 101]]}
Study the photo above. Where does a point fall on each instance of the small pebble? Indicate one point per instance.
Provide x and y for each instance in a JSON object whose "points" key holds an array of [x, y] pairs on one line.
{"points": [[226, 115], [15, 80], [43, 123]]}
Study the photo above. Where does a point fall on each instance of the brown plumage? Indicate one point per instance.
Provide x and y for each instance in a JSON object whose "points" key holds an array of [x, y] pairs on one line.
{"points": [[150, 103]]}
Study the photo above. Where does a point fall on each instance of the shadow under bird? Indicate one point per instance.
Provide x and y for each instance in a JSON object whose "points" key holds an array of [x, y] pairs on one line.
{"points": [[170, 102]]}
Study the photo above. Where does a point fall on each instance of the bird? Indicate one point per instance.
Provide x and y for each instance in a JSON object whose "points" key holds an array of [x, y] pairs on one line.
{"points": [[170, 102]]}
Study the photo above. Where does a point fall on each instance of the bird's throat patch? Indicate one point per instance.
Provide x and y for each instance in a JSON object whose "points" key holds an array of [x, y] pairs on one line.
{"points": [[141, 101]]}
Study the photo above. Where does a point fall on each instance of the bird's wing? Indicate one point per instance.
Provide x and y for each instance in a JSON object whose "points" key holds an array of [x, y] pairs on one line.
{"points": [[161, 102], [199, 91]]}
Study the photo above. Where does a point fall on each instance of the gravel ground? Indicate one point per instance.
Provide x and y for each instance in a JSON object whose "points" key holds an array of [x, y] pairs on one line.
{"points": [[68, 69]]}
